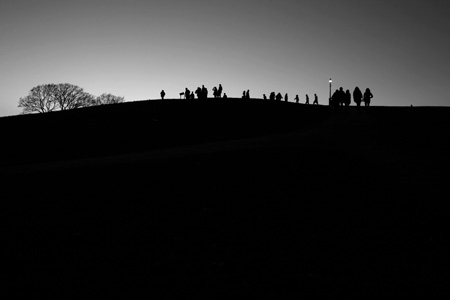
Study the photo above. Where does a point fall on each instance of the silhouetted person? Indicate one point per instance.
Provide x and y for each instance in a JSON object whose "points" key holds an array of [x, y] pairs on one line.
{"points": [[357, 96], [272, 96], [225, 96], [219, 91], [286, 97], [192, 95], [335, 99], [243, 95], [162, 94], [215, 92], [307, 99], [341, 96], [348, 98], [204, 92], [367, 96], [279, 97], [187, 93], [316, 100], [264, 97], [296, 99], [198, 92], [247, 95]]}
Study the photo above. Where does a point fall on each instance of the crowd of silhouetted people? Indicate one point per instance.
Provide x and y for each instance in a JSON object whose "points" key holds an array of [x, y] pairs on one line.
{"points": [[344, 99], [339, 99]]}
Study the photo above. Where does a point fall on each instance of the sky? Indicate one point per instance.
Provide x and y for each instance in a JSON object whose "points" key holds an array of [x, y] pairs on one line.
{"points": [[135, 48]]}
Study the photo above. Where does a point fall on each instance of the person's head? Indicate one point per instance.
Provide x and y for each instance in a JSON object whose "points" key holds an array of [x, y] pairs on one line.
{"points": [[367, 90], [341, 89], [347, 91]]}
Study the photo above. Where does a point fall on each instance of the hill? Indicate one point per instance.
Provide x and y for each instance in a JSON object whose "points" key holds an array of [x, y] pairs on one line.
{"points": [[220, 198]]}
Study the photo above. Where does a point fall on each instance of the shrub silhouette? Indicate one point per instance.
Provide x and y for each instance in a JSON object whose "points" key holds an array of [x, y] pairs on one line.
{"points": [[108, 99]]}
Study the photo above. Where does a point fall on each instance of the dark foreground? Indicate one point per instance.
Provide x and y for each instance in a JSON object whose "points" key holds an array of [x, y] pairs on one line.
{"points": [[220, 200]]}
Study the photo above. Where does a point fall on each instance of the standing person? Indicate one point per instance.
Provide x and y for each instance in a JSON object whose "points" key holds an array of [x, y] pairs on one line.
{"points": [[348, 98], [286, 97], [296, 98], [367, 96], [357, 97], [247, 95], [162, 94], [198, 92], [272, 96], [243, 94], [335, 99], [341, 96], [220, 90], [204, 92], [187, 93], [316, 100], [279, 97], [264, 97], [307, 99]]}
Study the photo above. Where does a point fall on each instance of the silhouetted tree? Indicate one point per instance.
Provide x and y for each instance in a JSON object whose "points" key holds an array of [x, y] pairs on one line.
{"points": [[49, 97], [108, 99], [40, 99], [70, 96]]}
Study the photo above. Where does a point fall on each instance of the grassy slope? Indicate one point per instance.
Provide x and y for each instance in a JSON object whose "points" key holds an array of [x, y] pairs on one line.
{"points": [[223, 197]]}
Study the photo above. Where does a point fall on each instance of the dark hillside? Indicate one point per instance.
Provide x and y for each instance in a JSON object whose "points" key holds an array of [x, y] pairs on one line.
{"points": [[221, 199], [143, 126]]}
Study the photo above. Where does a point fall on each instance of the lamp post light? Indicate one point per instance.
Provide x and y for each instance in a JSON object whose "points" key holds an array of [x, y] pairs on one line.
{"points": [[329, 99]]}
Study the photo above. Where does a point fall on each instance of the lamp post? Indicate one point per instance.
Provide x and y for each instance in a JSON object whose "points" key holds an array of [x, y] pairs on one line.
{"points": [[329, 99]]}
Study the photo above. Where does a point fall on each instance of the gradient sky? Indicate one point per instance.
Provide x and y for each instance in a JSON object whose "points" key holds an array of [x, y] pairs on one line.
{"points": [[134, 48]]}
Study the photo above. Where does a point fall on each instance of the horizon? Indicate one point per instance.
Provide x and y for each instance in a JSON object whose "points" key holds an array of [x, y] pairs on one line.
{"points": [[138, 48]]}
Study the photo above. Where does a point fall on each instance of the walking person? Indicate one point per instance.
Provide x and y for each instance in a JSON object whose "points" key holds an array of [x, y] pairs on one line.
{"points": [[296, 99], [307, 99], [316, 100]]}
